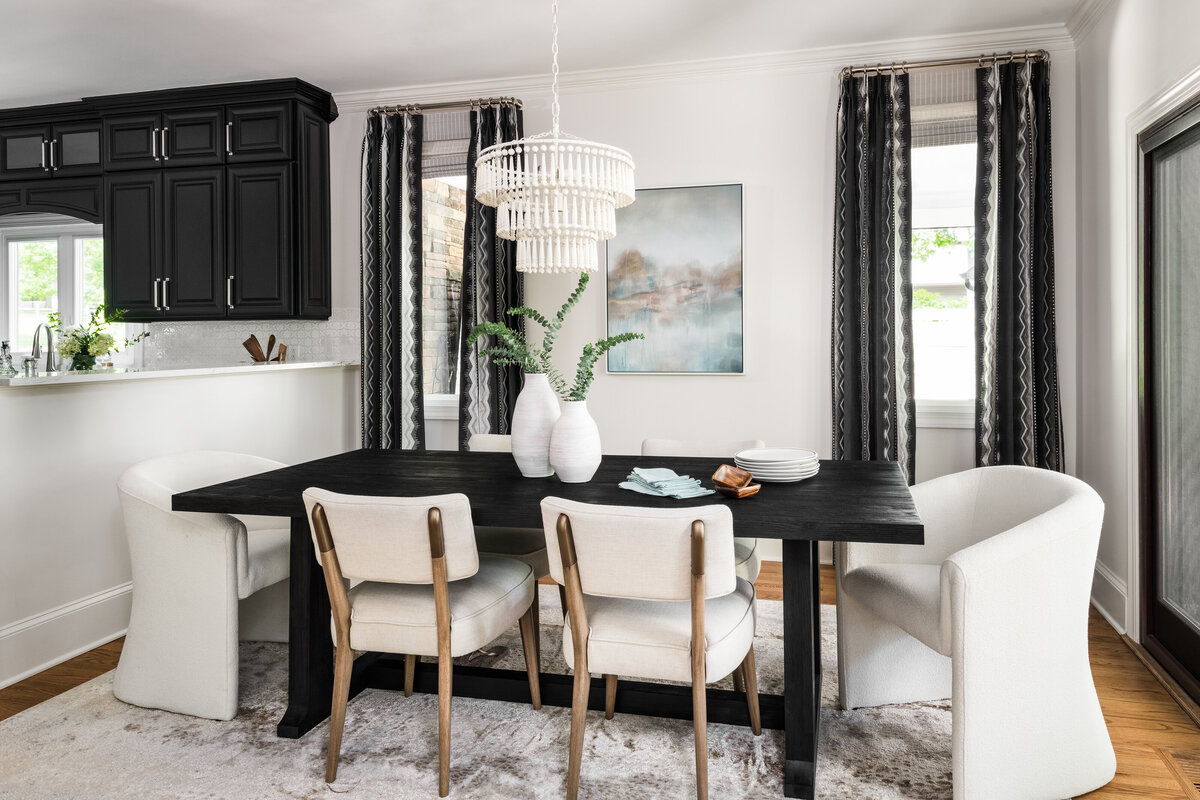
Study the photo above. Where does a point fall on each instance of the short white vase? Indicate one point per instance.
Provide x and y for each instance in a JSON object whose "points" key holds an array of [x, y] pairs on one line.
{"points": [[575, 444], [533, 421]]}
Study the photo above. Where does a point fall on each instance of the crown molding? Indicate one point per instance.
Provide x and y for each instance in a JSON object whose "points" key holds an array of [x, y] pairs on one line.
{"points": [[814, 60], [1086, 15]]}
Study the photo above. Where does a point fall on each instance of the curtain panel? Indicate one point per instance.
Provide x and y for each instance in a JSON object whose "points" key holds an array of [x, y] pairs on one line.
{"points": [[491, 284], [393, 414], [1017, 419], [874, 414]]}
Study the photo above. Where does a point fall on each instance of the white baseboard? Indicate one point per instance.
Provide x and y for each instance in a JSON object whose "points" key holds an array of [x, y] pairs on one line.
{"points": [[1110, 596], [772, 550], [37, 643]]}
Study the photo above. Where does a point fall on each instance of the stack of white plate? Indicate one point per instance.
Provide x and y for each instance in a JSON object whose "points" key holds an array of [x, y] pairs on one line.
{"points": [[778, 464]]}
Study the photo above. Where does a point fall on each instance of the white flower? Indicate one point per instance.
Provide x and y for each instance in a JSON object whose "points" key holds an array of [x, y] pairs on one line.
{"points": [[100, 344]]}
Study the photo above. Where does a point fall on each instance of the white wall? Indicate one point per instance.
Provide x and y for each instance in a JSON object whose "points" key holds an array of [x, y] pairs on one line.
{"points": [[64, 578], [1137, 50]]}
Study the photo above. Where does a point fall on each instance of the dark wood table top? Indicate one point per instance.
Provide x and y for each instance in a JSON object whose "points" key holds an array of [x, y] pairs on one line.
{"points": [[866, 501]]}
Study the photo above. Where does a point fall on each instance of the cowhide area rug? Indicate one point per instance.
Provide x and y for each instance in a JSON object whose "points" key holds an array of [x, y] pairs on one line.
{"points": [[85, 744]]}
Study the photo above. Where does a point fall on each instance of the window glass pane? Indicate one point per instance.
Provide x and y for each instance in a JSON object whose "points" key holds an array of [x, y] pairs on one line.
{"points": [[943, 258], [89, 260], [37, 286], [443, 218]]}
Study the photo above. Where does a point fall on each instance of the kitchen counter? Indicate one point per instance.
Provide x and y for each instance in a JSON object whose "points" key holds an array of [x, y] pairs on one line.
{"points": [[109, 375]]}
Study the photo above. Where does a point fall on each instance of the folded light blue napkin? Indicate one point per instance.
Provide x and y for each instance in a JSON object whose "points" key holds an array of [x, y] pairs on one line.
{"points": [[663, 482]]}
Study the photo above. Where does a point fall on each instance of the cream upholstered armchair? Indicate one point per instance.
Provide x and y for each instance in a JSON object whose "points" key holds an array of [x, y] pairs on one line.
{"points": [[419, 588], [992, 611], [651, 593], [523, 544], [745, 550], [201, 582]]}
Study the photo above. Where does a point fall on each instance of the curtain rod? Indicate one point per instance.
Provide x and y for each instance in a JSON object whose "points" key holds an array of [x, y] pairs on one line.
{"points": [[905, 66], [453, 105]]}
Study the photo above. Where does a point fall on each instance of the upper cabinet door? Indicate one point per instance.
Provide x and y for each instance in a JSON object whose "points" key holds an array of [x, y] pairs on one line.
{"points": [[132, 142], [133, 244], [194, 243], [75, 148], [260, 261], [193, 138], [260, 132], [25, 153]]}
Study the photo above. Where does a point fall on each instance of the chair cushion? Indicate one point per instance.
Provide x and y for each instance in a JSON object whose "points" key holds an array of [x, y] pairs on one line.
{"points": [[906, 595], [746, 558], [401, 618], [524, 544], [267, 557], [652, 638]]}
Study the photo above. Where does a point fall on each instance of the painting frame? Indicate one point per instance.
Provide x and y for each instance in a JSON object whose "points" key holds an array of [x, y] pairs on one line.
{"points": [[614, 249]]}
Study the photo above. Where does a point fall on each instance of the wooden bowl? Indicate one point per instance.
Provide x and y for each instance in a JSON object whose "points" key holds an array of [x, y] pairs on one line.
{"points": [[731, 476], [738, 491]]}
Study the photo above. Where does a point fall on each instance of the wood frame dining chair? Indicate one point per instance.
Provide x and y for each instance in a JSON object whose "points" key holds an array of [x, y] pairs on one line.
{"points": [[651, 593], [420, 589]]}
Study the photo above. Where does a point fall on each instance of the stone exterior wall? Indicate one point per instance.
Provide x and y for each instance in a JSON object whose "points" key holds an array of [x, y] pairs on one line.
{"points": [[442, 233]]}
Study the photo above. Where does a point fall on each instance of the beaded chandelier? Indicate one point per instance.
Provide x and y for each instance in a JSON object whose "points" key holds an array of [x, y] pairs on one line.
{"points": [[555, 195]]}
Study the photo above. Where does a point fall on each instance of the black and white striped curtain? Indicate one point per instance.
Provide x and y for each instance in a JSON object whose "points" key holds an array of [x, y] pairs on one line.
{"points": [[490, 285], [392, 407], [874, 414], [1017, 417]]}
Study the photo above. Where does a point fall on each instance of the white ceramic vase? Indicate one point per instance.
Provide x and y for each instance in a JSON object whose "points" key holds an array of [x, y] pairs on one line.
{"points": [[533, 421], [575, 444]]}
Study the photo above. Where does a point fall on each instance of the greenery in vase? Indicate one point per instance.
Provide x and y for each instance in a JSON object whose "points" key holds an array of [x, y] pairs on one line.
{"points": [[512, 348], [90, 339]]}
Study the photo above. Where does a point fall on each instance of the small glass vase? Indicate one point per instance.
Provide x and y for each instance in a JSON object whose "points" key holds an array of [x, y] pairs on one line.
{"points": [[82, 363]]}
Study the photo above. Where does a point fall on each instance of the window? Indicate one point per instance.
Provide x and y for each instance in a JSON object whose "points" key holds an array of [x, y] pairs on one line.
{"points": [[443, 218], [50, 263], [943, 246]]}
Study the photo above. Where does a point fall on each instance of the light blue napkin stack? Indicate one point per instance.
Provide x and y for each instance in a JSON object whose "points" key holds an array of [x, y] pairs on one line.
{"points": [[664, 482]]}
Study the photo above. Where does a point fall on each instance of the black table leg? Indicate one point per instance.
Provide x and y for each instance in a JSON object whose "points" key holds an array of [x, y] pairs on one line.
{"points": [[310, 646], [801, 666]]}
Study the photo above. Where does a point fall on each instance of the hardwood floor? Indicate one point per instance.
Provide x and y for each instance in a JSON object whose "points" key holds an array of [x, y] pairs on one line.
{"points": [[1157, 744]]}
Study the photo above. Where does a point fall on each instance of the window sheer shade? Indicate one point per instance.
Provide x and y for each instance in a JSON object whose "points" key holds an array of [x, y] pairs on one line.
{"points": [[447, 142], [943, 106]]}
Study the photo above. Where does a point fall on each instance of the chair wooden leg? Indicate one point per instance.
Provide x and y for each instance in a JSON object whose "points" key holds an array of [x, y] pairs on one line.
{"points": [[739, 682], [579, 703], [562, 599], [410, 671], [445, 684], [610, 695], [343, 666], [529, 644], [700, 718], [752, 692]]}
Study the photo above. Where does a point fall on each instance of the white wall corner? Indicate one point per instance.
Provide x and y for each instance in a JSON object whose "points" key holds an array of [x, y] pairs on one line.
{"points": [[1110, 596], [37, 643], [1086, 15]]}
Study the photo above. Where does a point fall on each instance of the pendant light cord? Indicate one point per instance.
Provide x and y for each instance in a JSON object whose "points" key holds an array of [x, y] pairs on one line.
{"points": [[554, 70]]}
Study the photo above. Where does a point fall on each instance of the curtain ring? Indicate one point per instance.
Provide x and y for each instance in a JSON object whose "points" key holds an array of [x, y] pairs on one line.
{"points": [[1010, 57]]}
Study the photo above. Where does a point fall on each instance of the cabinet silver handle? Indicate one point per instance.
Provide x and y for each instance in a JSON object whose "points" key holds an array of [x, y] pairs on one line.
{"points": [[166, 284], [165, 157], [154, 145], [53, 144], [229, 291], [229, 142], [44, 167], [157, 307]]}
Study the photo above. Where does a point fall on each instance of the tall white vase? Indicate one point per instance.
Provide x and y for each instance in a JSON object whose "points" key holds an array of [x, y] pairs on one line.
{"points": [[533, 421], [575, 444]]}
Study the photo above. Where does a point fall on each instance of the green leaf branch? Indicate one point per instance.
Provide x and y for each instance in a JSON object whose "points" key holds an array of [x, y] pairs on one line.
{"points": [[585, 372]]}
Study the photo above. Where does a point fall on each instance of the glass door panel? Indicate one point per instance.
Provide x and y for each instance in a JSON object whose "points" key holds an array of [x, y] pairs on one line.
{"points": [[37, 286]]}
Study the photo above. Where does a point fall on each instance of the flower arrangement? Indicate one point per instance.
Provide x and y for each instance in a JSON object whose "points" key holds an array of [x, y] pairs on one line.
{"points": [[83, 343], [512, 348]]}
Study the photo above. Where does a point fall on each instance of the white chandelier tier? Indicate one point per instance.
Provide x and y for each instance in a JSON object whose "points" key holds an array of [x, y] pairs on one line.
{"points": [[555, 195]]}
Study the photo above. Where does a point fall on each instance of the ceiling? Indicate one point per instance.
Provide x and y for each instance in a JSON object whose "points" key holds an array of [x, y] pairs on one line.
{"points": [[67, 49]]}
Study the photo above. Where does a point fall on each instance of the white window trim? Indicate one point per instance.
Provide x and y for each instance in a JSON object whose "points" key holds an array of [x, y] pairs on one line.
{"points": [[441, 406], [945, 413]]}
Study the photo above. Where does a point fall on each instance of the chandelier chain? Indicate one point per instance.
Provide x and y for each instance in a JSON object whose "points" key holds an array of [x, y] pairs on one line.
{"points": [[554, 69]]}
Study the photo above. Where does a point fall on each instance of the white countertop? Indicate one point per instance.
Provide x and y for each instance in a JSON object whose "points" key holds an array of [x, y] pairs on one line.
{"points": [[104, 375]]}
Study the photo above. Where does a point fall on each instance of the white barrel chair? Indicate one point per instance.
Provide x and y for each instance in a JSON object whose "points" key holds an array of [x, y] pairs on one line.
{"points": [[745, 549], [991, 611], [195, 579]]}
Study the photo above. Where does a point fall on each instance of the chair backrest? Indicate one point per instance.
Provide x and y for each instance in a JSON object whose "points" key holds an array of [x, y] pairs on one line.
{"points": [[642, 553], [489, 443], [154, 480], [386, 539], [1010, 495], [684, 448]]}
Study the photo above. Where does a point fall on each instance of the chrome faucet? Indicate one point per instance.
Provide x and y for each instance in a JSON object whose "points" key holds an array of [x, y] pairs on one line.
{"points": [[51, 363]]}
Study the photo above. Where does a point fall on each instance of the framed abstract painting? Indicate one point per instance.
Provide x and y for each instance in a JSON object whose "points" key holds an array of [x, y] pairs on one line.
{"points": [[674, 273]]}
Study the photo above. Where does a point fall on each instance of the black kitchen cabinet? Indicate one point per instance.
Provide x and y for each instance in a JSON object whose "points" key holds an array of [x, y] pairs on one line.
{"points": [[75, 148], [193, 137], [133, 244], [260, 241], [259, 132], [131, 142], [193, 229], [50, 150]]}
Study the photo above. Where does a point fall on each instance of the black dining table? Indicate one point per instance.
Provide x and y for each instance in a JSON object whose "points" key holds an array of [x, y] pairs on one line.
{"points": [[857, 501]]}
